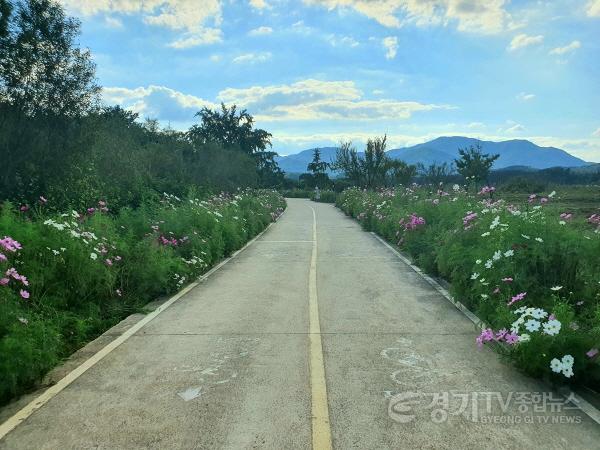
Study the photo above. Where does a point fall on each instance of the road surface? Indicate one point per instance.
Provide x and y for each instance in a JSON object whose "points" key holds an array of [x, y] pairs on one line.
{"points": [[232, 363]]}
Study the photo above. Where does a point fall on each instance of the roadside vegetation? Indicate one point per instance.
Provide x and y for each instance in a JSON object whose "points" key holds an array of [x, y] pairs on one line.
{"points": [[527, 264], [101, 212]]}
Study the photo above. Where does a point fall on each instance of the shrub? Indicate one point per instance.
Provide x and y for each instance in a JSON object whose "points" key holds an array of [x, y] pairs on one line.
{"points": [[528, 269]]}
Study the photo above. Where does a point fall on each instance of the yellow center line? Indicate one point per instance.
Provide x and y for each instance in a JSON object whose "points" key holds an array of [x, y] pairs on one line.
{"points": [[321, 431]]}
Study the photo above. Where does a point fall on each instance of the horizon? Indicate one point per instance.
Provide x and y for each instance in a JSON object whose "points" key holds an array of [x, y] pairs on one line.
{"points": [[319, 72]]}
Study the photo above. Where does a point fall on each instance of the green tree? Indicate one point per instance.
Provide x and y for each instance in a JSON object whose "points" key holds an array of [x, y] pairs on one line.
{"points": [[233, 129], [399, 172], [368, 170], [42, 70], [435, 173], [473, 164], [318, 169], [347, 161]]}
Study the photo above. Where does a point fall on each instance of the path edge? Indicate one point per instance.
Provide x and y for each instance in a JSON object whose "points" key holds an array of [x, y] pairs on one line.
{"points": [[576, 399], [51, 391]]}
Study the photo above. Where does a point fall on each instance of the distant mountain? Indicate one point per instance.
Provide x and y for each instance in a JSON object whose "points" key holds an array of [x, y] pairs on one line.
{"points": [[516, 152], [297, 163]]}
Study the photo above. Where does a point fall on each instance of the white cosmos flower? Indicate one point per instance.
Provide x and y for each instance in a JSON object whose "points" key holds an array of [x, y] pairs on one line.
{"points": [[93, 256], [509, 253], [532, 325], [568, 360], [486, 234], [474, 276], [538, 313], [562, 222], [478, 261], [567, 372], [497, 255], [484, 296], [525, 236], [551, 194], [524, 337], [489, 264], [556, 288], [539, 239], [520, 310], [552, 327], [556, 365]]}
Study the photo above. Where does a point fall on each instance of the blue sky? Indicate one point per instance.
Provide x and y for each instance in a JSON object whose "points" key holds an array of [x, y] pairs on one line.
{"points": [[313, 72]]}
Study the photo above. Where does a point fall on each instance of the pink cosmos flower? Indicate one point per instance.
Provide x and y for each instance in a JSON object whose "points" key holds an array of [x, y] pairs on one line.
{"points": [[551, 317], [24, 294], [91, 210], [511, 338], [543, 200], [592, 352], [24, 208], [3, 257], [517, 298], [108, 262], [485, 336], [4, 281], [496, 291]]}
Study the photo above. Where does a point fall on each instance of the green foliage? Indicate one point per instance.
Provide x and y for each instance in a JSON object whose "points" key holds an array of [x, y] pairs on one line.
{"points": [[373, 169], [86, 271], [41, 69], [491, 251], [473, 164]]}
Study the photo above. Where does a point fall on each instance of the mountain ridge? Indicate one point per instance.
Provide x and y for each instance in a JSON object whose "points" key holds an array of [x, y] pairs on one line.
{"points": [[444, 149]]}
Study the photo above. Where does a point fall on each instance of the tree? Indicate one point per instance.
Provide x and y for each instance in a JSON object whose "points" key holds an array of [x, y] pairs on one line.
{"points": [[375, 163], [398, 172], [41, 68], [347, 161], [234, 130], [373, 169], [229, 128], [318, 167], [473, 164], [435, 173]]}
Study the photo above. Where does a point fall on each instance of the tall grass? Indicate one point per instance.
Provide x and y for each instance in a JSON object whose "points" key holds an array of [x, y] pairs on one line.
{"points": [[528, 268], [68, 277]]}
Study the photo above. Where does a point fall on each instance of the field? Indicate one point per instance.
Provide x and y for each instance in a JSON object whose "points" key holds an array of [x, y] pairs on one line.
{"points": [[527, 264], [69, 277]]}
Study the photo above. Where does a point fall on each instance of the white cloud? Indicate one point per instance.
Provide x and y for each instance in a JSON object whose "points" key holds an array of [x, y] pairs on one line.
{"points": [[390, 43], [596, 133], [469, 15], [259, 4], [318, 100], [566, 49], [522, 96], [593, 8], [198, 25], [377, 92], [524, 40], [113, 22], [251, 58], [157, 102], [260, 31], [512, 127], [338, 41], [475, 125]]}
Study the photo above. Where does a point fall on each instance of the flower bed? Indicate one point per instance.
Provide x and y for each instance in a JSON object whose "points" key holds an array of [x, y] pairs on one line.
{"points": [[530, 270], [66, 278]]}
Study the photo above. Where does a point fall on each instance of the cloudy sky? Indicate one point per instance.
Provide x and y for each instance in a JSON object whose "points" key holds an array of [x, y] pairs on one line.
{"points": [[313, 72]]}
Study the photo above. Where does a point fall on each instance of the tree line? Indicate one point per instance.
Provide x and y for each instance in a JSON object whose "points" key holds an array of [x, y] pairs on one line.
{"points": [[374, 168], [59, 141]]}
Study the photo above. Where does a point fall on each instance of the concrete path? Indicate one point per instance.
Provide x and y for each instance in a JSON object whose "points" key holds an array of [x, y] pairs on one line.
{"points": [[229, 364]]}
